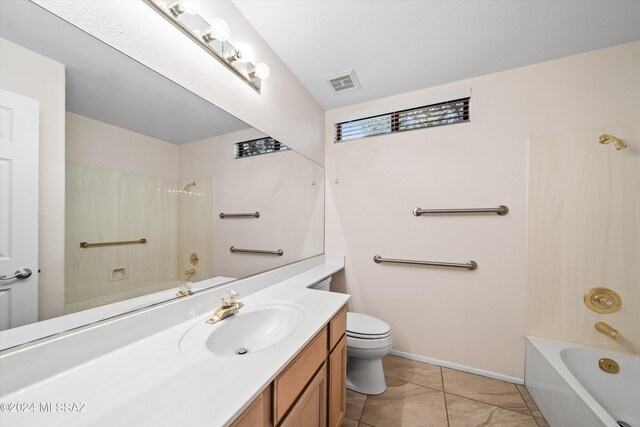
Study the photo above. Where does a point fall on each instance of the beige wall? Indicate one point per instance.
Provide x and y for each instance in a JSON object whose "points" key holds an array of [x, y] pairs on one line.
{"points": [[35, 76], [584, 232], [95, 143], [472, 318], [284, 109], [280, 186]]}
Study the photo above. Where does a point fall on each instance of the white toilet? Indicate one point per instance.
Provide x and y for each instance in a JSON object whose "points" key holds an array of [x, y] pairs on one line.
{"points": [[368, 341]]}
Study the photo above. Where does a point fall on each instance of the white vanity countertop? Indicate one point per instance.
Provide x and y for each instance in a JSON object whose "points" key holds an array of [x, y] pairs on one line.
{"points": [[153, 383]]}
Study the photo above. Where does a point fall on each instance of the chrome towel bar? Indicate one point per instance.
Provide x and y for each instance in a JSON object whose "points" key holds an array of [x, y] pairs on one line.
{"points": [[500, 210], [85, 245], [471, 265], [240, 215], [279, 252]]}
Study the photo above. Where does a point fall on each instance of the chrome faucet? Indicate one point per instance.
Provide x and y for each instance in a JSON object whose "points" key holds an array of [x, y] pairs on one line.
{"points": [[229, 306]]}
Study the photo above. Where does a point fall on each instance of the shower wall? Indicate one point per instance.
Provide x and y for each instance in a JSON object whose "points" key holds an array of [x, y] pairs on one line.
{"points": [[113, 193], [195, 227], [104, 205], [584, 232]]}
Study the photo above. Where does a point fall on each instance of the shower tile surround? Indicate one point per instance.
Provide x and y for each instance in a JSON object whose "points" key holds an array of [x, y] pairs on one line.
{"points": [[583, 198], [104, 205], [104, 202], [421, 394]]}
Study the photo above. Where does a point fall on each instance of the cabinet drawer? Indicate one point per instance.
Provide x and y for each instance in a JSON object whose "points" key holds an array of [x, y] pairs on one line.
{"points": [[289, 384], [337, 326]]}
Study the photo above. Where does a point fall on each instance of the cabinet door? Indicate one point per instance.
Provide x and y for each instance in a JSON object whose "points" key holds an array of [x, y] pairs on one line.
{"points": [[291, 382], [258, 414], [337, 383], [311, 408]]}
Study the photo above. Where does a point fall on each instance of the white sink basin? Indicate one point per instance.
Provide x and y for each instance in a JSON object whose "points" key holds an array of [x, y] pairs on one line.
{"points": [[251, 330]]}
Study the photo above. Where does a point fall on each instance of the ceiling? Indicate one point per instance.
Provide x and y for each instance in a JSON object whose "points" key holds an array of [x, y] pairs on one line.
{"points": [[403, 45], [106, 85]]}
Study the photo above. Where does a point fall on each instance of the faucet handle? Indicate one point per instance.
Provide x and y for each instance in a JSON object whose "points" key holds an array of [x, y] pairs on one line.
{"points": [[231, 296]]}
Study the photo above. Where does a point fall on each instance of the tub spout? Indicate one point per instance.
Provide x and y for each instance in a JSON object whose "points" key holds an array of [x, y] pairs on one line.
{"points": [[607, 330]]}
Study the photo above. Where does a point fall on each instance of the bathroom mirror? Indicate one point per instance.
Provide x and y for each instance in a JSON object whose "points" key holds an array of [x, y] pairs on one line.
{"points": [[154, 182]]}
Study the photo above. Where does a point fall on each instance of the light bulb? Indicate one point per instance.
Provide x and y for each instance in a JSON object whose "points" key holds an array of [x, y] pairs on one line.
{"points": [[219, 30], [261, 71], [246, 53]]}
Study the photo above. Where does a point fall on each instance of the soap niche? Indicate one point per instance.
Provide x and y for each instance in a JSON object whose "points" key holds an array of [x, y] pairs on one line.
{"points": [[118, 273]]}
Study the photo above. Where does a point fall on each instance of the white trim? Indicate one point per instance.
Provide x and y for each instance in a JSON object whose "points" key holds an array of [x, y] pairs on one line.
{"points": [[419, 102], [458, 367]]}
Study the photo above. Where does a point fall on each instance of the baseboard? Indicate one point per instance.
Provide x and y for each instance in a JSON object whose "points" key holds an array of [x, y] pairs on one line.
{"points": [[458, 367]]}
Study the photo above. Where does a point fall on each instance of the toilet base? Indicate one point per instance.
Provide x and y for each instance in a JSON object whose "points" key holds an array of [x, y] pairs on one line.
{"points": [[365, 375]]}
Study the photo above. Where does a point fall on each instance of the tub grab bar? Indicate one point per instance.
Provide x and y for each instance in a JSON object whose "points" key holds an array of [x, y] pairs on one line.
{"points": [[279, 252], [240, 215]]}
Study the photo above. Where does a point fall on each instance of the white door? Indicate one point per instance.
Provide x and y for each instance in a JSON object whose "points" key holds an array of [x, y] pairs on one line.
{"points": [[18, 209]]}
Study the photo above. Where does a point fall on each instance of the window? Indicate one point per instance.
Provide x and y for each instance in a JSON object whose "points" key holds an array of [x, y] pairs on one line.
{"points": [[258, 146], [444, 113]]}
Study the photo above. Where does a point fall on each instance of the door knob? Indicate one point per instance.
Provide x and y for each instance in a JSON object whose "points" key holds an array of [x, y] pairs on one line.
{"points": [[23, 273]]}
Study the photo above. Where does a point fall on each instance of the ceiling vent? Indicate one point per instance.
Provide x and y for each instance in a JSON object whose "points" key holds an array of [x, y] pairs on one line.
{"points": [[343, 81]]}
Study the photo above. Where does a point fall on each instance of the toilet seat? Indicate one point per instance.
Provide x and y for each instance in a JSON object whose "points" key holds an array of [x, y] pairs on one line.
{"points": [[366, 327], [367, 336]]}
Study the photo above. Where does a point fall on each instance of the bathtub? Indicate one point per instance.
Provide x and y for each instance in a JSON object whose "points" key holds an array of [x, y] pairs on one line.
{"points": [[571, 390]]}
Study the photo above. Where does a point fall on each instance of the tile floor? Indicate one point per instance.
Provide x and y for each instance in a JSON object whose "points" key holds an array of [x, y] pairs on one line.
{"points": [[420, 394]]}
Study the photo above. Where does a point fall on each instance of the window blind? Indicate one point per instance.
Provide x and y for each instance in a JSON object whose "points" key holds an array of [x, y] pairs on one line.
{"points": [[258, 146], [444, 113]]}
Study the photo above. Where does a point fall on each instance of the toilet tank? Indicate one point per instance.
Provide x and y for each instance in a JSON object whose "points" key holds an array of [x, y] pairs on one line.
{"points": [[323, 285]]}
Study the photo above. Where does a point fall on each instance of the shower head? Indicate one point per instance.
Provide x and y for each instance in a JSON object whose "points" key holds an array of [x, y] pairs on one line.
{"points": [[606, 139], [189, 186]]}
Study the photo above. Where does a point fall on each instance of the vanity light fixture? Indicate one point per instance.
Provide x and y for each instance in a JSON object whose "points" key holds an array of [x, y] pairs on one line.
{"points": [[214, 38]]}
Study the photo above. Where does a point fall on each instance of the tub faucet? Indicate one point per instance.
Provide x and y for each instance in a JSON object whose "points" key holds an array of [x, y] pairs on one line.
{"points": [[607, 330], [229, 306]]}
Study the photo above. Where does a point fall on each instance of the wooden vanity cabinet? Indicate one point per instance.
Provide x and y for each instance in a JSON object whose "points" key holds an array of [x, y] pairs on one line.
{"points": [[311, 390]]}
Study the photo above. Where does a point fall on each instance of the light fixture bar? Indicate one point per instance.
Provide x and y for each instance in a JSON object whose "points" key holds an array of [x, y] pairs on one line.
{"points": [[167, 11]]}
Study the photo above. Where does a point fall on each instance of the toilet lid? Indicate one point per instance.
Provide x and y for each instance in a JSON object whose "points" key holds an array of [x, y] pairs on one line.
{"points": [[363, 325]]}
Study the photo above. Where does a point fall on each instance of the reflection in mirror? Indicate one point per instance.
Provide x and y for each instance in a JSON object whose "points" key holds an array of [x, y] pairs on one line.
{"points": [[149, 169]]}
